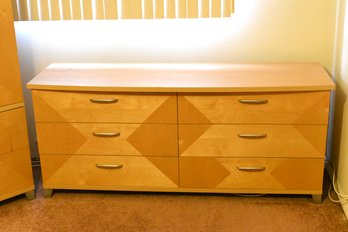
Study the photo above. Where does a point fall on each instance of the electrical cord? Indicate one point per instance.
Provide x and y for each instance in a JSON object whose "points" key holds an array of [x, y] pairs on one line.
{"points": [[333, 186]]}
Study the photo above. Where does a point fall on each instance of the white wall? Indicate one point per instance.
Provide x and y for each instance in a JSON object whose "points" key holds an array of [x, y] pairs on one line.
{"points": [[260, 31], [340, 138]]}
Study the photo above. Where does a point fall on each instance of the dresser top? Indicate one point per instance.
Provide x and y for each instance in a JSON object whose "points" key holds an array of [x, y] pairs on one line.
{"points": [[181, 77]]}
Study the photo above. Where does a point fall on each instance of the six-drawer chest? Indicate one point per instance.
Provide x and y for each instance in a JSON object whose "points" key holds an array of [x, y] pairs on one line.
{"points": [[222, 128]]}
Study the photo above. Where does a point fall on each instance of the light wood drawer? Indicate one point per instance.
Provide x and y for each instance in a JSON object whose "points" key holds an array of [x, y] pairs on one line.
{"points": [[252, 140], [10, 84], [66, 171], [51, 106], [108, 139], [273, 173], [273, 108], [13, 131], [15, 171]]}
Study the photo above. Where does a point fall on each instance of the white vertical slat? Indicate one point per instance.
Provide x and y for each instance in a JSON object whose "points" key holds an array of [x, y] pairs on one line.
{"points": [[55, 10], [110, 9], [66, 9]]}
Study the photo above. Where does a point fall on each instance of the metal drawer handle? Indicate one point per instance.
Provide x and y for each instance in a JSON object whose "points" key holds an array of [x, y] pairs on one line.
{"points": [[253, 101], [109, 166], [252, 136], [103, 100], [107, 134], [251, 168]]}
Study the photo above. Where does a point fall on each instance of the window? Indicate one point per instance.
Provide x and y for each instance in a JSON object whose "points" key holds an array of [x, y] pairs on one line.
{"points": [[34, 10]]}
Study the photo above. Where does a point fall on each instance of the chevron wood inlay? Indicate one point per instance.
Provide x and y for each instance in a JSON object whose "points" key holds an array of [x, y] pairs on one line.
{"points": [[13, 131], [10, 85], [228, 128], [303, 174], [279, 141], [82, 171], [15, 172], [77, 107], [202, 172], [281, 108], [155, 139]]}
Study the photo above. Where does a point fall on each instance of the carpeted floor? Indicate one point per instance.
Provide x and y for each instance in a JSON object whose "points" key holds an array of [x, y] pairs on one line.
{"points": [[120, 211]]}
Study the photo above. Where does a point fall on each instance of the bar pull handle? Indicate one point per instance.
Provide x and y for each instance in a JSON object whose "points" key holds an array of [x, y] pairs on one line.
{"points": [[104, 100], [109, 166], [107, 134], [252, 136], [253, 101], [251, 168]]}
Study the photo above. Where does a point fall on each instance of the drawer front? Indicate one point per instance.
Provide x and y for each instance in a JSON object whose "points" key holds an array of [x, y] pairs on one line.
{"points": [[63, 171], [13, 131], [108, 139], [253, 173], [15, 171], [51, 106], [252, 140], [10, 83], [275, 108]]}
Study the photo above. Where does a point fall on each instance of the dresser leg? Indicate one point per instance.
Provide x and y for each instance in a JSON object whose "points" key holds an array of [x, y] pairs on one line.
{"points": [[317, 198], [47, 193], [30, 195]]}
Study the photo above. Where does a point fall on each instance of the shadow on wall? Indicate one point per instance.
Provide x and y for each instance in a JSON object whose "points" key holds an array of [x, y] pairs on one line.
{"points": [[338, 119]]}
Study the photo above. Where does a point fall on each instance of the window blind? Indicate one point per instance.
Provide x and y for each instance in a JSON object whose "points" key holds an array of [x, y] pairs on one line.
{"points": [[34, 10]]}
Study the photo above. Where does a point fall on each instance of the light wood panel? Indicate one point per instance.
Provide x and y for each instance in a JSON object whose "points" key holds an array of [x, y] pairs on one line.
{"points": [[148, 9], [159, 9], [34, 10], [131, 9], [129, 108], [280, 108], [16, 174], [13, 131], [63, 170], [87, 10], [218, 78], [171, 10], [128, 139], [111, 9], [258, 141], [10, 85], [192, 8], [76, 9], [44, 10], [292, 174], [66, 9], [55, 10]]}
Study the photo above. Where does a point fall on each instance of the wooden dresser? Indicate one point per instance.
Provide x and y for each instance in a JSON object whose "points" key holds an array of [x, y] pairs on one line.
{"points": [[15, 165], [224, 128]]}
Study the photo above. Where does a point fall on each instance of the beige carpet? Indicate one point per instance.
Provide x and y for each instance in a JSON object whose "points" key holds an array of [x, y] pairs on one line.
{"points": [[120, 211]]}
